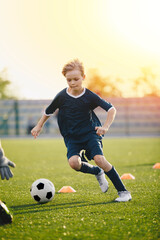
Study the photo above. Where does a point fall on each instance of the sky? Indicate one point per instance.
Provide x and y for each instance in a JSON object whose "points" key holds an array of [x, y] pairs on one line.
{"points": [[37, 37]]}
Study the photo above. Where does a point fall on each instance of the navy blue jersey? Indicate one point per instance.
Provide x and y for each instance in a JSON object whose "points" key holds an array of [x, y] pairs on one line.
{"points": [[76, 118]]}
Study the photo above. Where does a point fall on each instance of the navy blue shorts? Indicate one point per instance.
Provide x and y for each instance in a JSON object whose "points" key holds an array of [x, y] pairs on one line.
{"points": [[93, 147]]}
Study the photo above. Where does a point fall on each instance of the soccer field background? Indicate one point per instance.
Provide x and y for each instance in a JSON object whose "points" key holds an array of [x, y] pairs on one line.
{"points": [[88, 213]]}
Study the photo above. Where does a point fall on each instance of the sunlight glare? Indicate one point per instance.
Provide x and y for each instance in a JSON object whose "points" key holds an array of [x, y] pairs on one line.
{"points": [[136, 22]]}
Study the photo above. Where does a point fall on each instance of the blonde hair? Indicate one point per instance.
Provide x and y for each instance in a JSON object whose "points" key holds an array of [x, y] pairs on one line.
{"points": [[75, 64]]}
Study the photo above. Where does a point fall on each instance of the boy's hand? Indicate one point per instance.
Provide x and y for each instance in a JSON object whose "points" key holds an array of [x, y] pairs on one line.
{"points": [[36, 131], [101, 130]]}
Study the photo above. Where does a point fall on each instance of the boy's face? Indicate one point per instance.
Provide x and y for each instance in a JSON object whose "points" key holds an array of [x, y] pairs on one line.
{"points": [[74, 79]]}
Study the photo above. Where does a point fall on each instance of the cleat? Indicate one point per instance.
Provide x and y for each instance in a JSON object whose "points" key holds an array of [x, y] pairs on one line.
{"points": [[102, 181], [82, 156], [124, 196]]}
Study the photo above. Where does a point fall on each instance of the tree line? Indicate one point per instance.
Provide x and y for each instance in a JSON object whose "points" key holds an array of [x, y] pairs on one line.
{"points": [[144, 85]]}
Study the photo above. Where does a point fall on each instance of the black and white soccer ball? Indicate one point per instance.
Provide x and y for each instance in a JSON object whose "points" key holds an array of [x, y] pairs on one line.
{"points": [[42, 190]]}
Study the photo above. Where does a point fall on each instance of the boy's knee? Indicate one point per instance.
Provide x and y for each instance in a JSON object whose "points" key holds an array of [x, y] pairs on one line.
{"points": [[75, 162], [99, 159]]}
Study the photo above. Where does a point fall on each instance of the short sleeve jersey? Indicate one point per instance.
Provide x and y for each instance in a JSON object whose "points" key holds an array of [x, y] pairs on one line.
{"points": [[76, 118]]}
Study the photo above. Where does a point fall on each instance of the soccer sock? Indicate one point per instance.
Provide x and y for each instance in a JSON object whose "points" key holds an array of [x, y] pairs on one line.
{"points": [[88, 168], [114, 177]]}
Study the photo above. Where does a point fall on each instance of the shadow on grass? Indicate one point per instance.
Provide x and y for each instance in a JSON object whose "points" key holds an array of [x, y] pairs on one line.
{"points": [[39, 205], [33, 208], [140, 165]]}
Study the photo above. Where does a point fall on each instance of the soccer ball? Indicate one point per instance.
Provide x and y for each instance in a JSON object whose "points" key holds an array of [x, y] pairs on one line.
{"points": [[42, 190]]}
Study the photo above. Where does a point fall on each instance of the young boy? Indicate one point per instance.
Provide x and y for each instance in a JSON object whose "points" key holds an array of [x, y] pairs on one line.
{"points": [[81, 128]]}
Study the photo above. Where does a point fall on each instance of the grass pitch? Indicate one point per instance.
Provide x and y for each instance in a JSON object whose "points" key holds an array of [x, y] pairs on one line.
{"points": [[88, 213]]}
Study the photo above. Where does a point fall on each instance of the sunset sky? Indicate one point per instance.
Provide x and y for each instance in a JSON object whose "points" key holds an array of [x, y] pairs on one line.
{"points": [[37, 37]]}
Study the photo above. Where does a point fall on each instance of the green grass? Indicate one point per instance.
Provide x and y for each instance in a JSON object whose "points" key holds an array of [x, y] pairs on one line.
{"points": [[88, 213]]}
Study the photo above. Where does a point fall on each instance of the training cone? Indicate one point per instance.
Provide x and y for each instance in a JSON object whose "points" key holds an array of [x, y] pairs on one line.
{"points": [[156, 166], [66, 189], [127, 176]]}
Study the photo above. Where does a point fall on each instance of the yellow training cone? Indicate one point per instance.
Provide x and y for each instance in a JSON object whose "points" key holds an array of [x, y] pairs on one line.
{"points": [[66, 189], [127, 176], [156, 166]]}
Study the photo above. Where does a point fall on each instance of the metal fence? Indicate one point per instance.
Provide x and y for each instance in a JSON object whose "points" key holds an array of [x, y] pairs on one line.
{"points": [[135, 116]]}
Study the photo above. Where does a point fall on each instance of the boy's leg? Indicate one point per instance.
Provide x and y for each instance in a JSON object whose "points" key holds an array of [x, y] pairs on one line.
{"points": [[124, 195], [93, 147], [110, 171], [115, 178], [76, 164], [74, 159]]}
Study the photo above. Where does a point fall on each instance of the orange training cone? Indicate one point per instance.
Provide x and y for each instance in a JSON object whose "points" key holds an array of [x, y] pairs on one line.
{"points": [[127, 176], [156, 166], [66, 189]]}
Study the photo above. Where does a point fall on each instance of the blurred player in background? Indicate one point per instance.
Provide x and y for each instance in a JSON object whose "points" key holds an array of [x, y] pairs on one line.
{"points": [[6, 173]]}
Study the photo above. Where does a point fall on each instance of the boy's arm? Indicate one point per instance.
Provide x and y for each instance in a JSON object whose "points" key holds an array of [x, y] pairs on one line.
{"points": [[37, 129], [110, 118]]}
